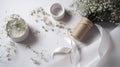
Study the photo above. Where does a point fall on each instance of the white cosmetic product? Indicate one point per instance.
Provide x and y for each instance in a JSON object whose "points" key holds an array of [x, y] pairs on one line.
{"points": [[17, 29], [57, 11]]}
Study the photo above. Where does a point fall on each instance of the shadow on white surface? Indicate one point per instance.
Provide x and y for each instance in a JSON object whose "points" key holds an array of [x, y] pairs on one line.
{"points": [[31, 39]]}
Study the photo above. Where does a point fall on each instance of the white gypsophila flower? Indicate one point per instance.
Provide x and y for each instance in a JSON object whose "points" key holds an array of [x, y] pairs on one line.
{"points": [[98, 10]]}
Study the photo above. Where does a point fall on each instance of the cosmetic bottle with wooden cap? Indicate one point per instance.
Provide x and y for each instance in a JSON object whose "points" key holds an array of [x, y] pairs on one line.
{"points": [[81, 28]]}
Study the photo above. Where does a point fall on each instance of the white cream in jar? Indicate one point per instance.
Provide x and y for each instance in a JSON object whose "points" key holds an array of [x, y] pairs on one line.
{"points": [[57, 11], [16, 28]]}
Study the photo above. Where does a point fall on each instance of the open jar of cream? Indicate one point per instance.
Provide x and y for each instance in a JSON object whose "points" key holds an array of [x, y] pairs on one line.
{"points": [[57, 11], [16, 28]]}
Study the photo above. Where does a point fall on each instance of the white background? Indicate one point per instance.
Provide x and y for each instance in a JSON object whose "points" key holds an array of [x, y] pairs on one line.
{"points": [[43, 41]]}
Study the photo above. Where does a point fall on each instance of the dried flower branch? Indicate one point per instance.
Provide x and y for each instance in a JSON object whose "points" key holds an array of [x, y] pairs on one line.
{"points": [[7, 51], [40, 56], [98, 10]]}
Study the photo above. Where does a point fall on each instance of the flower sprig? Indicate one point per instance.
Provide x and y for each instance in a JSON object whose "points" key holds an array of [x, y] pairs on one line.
{"points": [[98, 10]]}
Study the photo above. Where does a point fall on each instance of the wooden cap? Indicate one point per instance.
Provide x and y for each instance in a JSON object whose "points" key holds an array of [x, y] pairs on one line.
{"points": [[81, 28]]}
